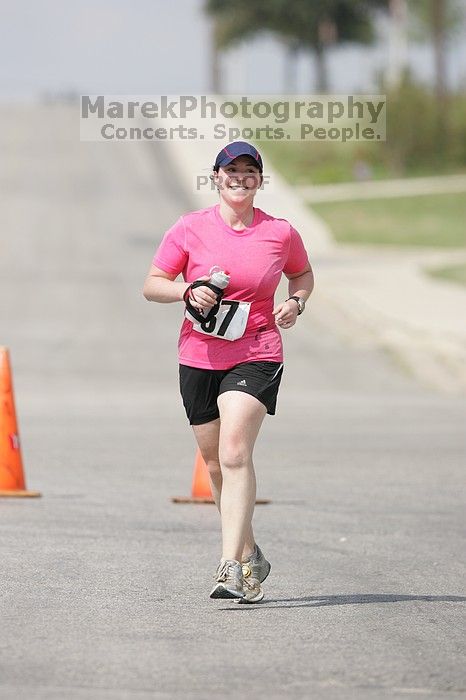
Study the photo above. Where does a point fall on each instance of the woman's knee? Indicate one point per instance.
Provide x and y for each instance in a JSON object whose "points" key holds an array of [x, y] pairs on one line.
{"points": [[234, 456]]}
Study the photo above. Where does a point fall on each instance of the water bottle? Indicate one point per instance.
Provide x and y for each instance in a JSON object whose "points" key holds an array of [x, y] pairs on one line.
{"points": [[219, 278]]}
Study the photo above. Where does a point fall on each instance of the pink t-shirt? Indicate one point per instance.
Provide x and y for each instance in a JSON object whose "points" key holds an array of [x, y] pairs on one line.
{"points": [[255, 259]]}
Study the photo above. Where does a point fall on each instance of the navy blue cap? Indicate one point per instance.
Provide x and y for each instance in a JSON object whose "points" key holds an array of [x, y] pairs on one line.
{"points": [[234, 150]]}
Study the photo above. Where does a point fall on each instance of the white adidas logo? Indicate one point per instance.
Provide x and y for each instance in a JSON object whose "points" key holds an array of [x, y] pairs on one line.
{"points": [[241, 383]]}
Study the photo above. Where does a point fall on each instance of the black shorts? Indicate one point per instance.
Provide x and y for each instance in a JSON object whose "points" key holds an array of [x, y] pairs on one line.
{"points": [[200, 388]]}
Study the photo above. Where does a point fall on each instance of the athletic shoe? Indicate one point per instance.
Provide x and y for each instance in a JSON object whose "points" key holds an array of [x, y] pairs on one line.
{"points": [[229, 580], [256, 566], [252, 590]]}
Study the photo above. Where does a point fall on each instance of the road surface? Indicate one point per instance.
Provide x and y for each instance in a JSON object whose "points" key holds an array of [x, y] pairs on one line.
{"points": [[104, 581]]}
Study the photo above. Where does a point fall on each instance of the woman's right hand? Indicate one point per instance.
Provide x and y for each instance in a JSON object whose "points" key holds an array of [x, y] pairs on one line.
{"points": [[202, 298]]}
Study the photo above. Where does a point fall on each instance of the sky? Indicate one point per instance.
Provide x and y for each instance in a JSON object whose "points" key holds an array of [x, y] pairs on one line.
{"points": [[160, 47]]}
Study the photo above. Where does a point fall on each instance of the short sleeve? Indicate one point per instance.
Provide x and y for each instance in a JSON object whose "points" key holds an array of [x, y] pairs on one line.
{"points": [[171, 255], [297, 256]]}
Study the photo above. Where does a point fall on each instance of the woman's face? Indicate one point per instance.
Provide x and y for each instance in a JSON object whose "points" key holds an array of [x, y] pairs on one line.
{"points": [[239, 181]]}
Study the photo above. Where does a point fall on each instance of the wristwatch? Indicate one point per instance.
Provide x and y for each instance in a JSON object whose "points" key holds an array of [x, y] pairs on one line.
{"points": [[300, 302]]}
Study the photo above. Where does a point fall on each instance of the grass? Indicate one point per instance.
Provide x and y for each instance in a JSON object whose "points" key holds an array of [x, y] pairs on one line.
{"points": [[319, 163], [325, 163], [434, 220], [415, 145], [451, 273]]}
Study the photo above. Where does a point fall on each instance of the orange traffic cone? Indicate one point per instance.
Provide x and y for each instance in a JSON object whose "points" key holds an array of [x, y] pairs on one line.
{"points": [[201, 491], [11, 467]]}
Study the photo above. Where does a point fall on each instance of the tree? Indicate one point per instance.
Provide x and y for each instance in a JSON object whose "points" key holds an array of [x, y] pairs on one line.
{"points": [[440, 19], [313, 25], [398, 43], [214, 57]]}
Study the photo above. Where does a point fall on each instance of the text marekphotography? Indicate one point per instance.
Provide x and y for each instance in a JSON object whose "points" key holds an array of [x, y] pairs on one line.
{"points": [[111, 118]]}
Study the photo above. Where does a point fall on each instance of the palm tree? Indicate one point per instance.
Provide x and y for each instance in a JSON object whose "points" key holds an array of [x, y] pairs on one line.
{"points": [[398, 43], [310, 25], [215, 69], [439, 39], [441, 18], [289, 67]]}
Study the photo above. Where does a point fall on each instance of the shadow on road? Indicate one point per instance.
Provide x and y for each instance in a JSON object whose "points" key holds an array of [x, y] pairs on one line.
{"points": [[357, 599]]}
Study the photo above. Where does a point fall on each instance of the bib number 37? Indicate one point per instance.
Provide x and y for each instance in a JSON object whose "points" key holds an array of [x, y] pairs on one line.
{"points": [[228, 323]]}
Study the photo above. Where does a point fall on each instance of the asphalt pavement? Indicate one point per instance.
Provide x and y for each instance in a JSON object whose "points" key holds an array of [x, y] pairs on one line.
{"points": [[104, 582]]}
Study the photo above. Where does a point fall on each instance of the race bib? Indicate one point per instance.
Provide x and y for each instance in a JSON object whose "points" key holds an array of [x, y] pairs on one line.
{"points": [[228, 323]]}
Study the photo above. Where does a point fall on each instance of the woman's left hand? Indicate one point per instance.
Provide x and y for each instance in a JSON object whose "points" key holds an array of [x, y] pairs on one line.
{"points": [[286, 314]]}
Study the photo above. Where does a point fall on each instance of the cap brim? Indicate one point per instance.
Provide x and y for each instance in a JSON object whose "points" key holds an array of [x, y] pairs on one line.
{"points": [[227, 161]]}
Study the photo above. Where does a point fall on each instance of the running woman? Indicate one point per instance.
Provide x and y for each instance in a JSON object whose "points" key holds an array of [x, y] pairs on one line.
{"points": [[230, 347]]}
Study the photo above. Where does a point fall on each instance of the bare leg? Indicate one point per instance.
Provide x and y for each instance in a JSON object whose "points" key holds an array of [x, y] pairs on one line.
{"points": [[241, 417], [207, 437]]}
